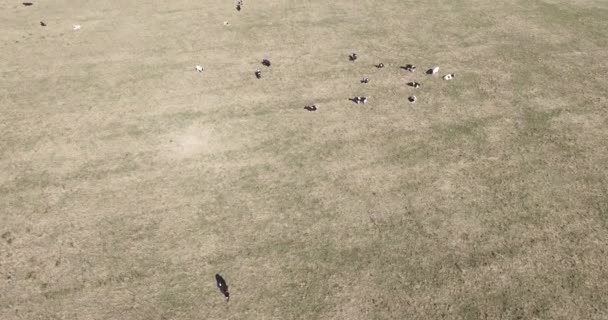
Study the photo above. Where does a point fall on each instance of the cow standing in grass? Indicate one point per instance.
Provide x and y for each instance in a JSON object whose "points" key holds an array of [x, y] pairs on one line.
{"points": [[449, 76], [223, 286], [359, 99], [409, 67]]}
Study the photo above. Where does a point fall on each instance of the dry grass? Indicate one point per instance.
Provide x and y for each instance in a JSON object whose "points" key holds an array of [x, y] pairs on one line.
{"points": [[127, 179]]}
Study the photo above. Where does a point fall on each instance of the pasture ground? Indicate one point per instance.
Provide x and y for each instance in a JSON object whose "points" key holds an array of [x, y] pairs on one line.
{"points": [[127, 179]]}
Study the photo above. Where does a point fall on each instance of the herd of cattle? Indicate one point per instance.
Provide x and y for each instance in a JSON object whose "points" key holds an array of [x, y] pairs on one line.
{"points": [[352, 57]]}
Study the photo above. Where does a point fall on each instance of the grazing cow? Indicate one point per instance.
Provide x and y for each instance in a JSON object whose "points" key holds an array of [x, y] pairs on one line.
{"points": [[409, 67], [433, 70], [27, 4], [239, 4], [221, 284], [42, 23], [311, 108], [380, 65], [412, 99], [352, 57], [358, 100], [258, 74], [266, 62], [414, 84], [365, 80], [449, 76]]}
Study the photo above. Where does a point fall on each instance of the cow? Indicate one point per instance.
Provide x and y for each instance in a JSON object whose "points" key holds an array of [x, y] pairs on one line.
{"points": [[359, 99], [433, 70], [221, 284], [409, 67]]}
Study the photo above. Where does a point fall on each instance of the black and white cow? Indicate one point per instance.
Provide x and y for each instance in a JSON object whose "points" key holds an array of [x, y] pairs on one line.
{"points": [[380, 65], [365, 80], [412, 99], [409, 67], [414, 84], [258, 74], [311, 108], [433, 70], [359, 99], [449, 76]]}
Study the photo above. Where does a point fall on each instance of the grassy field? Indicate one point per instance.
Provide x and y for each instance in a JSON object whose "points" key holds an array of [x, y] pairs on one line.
{"points": [[128, 179]]}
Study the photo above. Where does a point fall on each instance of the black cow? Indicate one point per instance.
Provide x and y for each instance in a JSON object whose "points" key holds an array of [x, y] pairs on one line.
{"points": [[352, 57], [221, 284], [266, 62]]}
